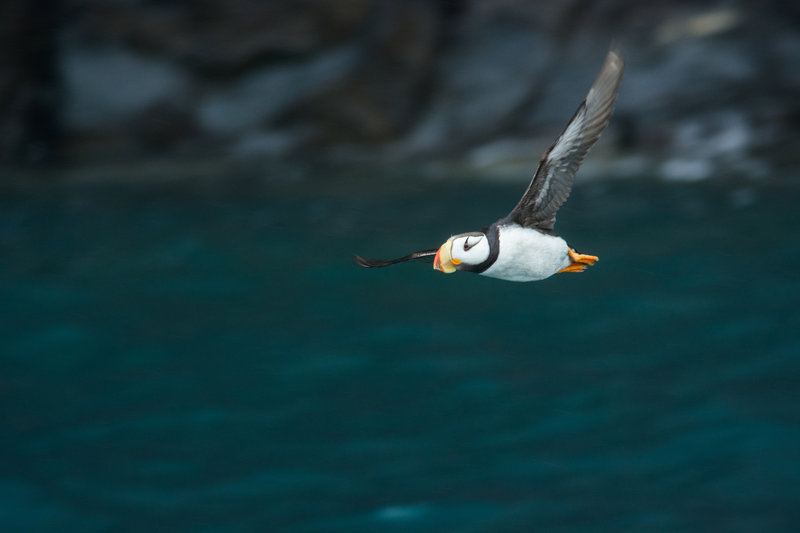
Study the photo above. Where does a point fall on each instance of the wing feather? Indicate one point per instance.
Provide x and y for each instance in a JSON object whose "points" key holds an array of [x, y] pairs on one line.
{"points": [[552, 182], [423, 255]]}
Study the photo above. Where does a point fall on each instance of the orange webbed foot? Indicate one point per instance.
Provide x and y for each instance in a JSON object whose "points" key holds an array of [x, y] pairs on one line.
{"points": [[579, 261]]}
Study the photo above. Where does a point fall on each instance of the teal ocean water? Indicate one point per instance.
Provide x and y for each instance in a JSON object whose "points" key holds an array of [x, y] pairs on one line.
{"points": [[208, 358]]}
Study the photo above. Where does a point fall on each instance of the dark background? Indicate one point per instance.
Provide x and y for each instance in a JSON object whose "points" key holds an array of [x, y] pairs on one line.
{"points": [[711, 87]]}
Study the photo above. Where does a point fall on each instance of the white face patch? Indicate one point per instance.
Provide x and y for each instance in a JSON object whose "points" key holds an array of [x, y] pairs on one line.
{"points": [[470, 248]]}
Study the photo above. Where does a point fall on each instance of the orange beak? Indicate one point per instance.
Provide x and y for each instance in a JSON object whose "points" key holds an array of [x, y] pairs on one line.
{"points": [[443, 260]]}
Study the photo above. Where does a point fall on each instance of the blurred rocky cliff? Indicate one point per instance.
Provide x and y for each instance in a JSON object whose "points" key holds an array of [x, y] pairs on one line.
{"points": [[710, 86]]}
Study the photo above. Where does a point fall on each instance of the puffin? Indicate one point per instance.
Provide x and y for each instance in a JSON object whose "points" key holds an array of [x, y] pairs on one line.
{"points": [[522, 245]]}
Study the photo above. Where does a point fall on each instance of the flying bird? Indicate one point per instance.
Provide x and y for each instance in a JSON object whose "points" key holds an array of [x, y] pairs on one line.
{"points": [[522, 246]]}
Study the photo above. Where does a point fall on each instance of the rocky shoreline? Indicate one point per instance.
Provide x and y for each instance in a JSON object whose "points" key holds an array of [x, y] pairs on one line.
{"points": [[708, 90]]}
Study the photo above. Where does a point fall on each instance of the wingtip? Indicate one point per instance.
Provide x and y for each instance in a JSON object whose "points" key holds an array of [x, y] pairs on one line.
{"points": [[615, 55], [360, 261], [604, 89]]}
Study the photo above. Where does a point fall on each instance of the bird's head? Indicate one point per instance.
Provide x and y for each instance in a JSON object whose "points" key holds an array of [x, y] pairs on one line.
{"points": [[468, 249]]}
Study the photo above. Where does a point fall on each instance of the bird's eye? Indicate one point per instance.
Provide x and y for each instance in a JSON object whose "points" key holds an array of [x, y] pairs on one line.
{"points": [[468, 245]]}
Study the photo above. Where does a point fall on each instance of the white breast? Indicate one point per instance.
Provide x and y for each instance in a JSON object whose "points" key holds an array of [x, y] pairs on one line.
{"points": [[528, 255]]}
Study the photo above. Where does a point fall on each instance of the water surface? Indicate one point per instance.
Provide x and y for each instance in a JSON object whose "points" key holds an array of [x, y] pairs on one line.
{"points": [[208, 358]]}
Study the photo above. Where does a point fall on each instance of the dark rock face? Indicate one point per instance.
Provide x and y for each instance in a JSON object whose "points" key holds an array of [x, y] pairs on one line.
{"points": [[29, 81], [107, 79]]}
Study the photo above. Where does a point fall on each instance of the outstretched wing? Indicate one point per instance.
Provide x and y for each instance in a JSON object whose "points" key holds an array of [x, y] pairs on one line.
{"points": [[424, 255], [553, 180]]}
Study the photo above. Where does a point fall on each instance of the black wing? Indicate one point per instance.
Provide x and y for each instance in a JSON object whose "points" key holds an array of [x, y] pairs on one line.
{"points": [[424, 255], [553, 180]]}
